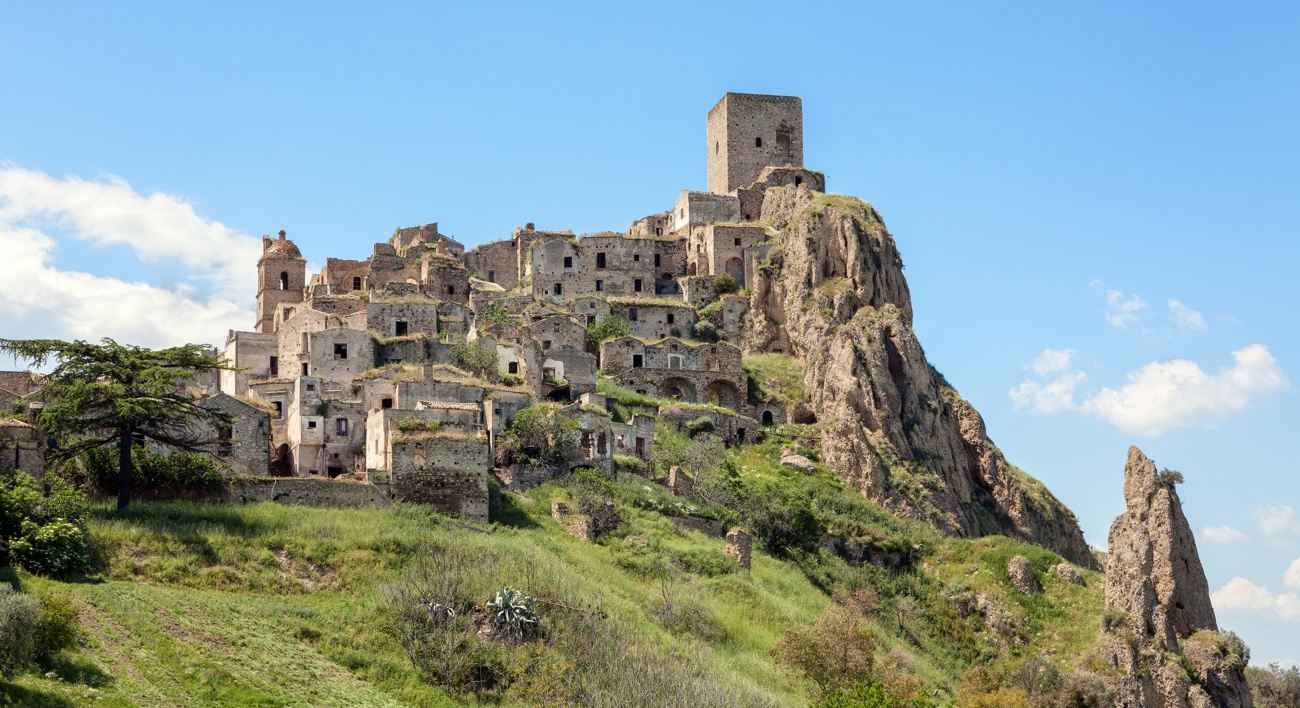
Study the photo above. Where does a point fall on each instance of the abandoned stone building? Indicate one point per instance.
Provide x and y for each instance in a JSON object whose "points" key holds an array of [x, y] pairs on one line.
{"points": [[401, 369]]}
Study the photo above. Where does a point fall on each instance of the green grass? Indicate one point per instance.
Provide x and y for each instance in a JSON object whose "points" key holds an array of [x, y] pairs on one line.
{"points": [[268, 605], [775, 378]]}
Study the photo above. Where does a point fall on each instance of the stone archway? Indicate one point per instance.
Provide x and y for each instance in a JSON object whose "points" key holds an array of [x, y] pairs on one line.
{"points": [[679, 388], [723, 393]]}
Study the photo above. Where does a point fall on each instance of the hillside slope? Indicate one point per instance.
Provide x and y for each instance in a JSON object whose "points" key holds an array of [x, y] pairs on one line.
{"points": [[832, 293], [271, 605]]}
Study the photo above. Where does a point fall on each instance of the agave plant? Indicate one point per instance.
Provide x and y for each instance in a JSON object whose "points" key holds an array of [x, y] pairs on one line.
{"points": [[513, 611]]}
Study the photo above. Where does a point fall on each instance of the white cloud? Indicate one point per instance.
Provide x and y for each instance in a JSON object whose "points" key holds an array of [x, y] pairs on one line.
{"points": [[1223, 534], [217, 264], [1053, 361], [1245, 597], [1122, 311], [1291, 578], [1160, 396], [1185, 317], [1047, 398], [1177, 394], [1276, 521]]}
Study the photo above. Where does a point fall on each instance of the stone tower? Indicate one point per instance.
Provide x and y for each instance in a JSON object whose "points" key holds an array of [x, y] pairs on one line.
{"points": [[281, 277], [747, 132]]}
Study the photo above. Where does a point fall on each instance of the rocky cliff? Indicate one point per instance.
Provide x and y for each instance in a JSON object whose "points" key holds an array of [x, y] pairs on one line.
{"points": [[1160, 638], [832, 293]]}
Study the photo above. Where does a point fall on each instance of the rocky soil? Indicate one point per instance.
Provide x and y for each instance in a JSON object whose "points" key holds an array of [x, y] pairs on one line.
{"points": [[832, 293]]}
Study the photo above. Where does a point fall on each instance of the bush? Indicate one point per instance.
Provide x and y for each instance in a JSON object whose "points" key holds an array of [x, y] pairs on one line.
{"points": [[481, 359], [58, 625], [706, 331], [835, 653], [540, 435], [607, 327], [703, 424], [42, 532], [1273, 686], [19, 615], [871, 695], [1167, 478], [55, 549], [724, 283], [179, 470]]}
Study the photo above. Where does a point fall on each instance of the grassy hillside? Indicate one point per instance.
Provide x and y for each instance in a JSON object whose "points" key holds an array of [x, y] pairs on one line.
{"points": [[275, 606]]}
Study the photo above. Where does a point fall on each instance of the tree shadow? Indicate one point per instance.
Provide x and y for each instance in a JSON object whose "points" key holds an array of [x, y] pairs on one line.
{"points": [[76, 670], [24, 696], [183, 519], [8, 574], [504, 509]]}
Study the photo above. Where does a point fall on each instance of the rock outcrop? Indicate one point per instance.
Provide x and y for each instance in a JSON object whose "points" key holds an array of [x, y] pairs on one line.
{"points": [[1022, 576], [1159, 621], [832, 293]]}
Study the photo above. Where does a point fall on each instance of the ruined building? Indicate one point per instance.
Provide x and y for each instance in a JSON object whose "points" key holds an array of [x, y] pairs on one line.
{"points": [[401, 369]]}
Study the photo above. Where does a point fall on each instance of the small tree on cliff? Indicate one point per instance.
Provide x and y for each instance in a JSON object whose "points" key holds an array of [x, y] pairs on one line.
{"points": [[103, 394]]}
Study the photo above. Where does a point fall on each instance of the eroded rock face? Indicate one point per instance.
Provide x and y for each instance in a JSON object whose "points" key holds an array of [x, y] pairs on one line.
{"points": [[1069, 574], [834, 295], [1158, 605]]}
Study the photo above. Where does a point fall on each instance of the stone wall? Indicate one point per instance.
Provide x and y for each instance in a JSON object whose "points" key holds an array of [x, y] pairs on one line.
{"points": [[396, 319], [655, 319], [21, 447], [602, 265], [747, 132], [447, 473], [698, 209], [252, 354], [248, 452], [496, 262], [739, 547], [304, 492]]}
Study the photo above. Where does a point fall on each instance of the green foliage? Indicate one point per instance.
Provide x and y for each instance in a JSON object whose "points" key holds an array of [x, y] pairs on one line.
{"points": [[724, 283], [607, 327], [706, 331], [151, 471], [57, 548], [775, 378], [412, 424], [1167, 478], [479, 359], [43, 532], [835, 653], [57, 627], [870, 695], [512, 379], [104, 394], [541, 435], [629, 463], [703, 424], [1273, 686], [496, 314], [19, 616]]}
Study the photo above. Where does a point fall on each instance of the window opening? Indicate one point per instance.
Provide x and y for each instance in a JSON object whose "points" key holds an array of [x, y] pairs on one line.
{"points": [[311, 425], [356, 283], [306, 369], [758, 142], [512, 367], [341, 426], [275, 366], [386, 403], [637, 361], [559, 289], [600, 286], [284, 280], [400, 328], [600, 260], [636, 285], [340, 351]]}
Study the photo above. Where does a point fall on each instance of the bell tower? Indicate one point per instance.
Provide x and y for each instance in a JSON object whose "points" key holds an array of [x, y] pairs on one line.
{"points": [[281, 278]]}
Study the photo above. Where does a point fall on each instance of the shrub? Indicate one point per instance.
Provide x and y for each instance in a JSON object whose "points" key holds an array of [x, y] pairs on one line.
{"points": [[512, 379], [480, 359], [19, 615], [724, 283], [540, 435], [871, 695], [1273, 686], [835, 653], [58, 625], [706, 331], [178, 470], [1167, 478], [607, 327], [55, 549], [703, 424]]}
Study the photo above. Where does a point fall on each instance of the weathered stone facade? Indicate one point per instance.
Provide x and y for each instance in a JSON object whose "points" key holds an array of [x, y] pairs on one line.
{"points": [[747, 132], [446, 471]]}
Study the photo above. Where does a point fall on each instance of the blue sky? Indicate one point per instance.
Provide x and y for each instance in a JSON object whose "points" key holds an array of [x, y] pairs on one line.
{"points": [[1094, 203]]}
